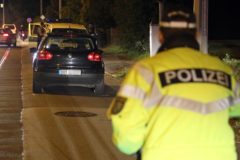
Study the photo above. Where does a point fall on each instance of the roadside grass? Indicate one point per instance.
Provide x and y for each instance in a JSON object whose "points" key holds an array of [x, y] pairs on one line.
{"points": [[121, 53], [228, 51], [221, 48], [235, 64], [125, 53], [114, 49], [121, 73]]}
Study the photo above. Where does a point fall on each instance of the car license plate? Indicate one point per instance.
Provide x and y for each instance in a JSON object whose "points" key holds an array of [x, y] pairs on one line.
{"points": [[70, 72]]}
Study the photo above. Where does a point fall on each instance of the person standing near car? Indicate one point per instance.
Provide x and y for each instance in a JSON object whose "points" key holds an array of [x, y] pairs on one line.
{"points": [[41, 31], [176, 105]]}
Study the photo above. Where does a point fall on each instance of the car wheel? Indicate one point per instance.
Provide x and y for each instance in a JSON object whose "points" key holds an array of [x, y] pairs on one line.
{"points": [[36, 88], [99, 88]]}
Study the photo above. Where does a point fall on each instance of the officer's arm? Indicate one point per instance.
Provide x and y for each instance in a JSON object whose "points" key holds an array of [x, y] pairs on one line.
{"points": [[128, 115], [235, 108]]}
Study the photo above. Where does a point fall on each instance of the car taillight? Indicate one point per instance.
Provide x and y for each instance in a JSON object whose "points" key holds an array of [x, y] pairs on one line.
{"points": [[44, 55], [94, 57], [5, 35]]}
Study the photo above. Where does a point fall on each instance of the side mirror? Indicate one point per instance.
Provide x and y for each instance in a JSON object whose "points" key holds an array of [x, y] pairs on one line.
{"points": [[33, 50]]}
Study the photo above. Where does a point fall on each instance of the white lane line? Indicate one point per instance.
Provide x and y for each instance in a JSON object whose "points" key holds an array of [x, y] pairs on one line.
{"points": [[4, 58]]}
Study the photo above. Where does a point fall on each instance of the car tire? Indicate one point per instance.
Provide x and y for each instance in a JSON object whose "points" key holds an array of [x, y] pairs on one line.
{"points": [[99, 88], [36, 88]]}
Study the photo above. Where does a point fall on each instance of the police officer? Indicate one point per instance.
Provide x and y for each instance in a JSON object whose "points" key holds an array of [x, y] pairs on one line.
{"points": [[41, 31], [176, 105]]}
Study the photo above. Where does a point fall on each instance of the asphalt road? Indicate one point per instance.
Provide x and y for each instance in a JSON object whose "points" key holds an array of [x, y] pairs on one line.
{"points": [[10, 104], [62, 124], [66, 123]]}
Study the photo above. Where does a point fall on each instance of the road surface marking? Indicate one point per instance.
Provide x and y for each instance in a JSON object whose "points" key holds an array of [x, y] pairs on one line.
{"points": [[4, 58]]}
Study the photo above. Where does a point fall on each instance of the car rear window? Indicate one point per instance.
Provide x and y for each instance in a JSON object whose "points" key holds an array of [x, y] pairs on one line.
{"points": [[68, 43], [9, 26], [63, 30]]}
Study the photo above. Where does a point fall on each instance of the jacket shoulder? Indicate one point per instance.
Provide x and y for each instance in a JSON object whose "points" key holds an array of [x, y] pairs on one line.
{"points": [[218, 62]]}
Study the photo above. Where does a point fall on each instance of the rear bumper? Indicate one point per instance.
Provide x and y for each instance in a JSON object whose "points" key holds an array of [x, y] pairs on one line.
{"points": [[7, 41], [54, 79]]}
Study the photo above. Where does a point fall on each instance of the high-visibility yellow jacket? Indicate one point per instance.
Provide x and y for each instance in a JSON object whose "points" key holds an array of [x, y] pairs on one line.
{"points": [[176, 106]]}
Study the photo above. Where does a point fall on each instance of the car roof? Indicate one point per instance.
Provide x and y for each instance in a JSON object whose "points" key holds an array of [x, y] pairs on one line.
{"points": [[66, 25], [9, 25], [62, 25]]}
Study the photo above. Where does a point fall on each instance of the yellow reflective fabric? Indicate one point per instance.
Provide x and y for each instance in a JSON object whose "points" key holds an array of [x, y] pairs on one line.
{"points": [[184, 116], [129, 138], [133, 92], [129, 129]]}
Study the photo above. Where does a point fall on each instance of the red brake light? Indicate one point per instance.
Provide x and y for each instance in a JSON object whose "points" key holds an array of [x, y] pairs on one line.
{"points": [[94, 57], [5, 35], [45, 55]]}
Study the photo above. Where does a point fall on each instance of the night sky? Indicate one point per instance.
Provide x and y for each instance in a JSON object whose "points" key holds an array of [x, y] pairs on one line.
{"points": [[224, 19]]}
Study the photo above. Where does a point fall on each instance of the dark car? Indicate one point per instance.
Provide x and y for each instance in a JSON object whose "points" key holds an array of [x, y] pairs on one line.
{"points": [[69, 60], [7, 37]]}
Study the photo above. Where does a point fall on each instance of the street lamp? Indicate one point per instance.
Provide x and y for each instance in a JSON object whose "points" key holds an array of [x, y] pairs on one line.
{"points": [[60, 9], [2, 5], [41, 7], [201, 11]]}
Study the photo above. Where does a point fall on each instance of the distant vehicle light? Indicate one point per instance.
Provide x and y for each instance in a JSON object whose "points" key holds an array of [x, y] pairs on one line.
{"points": [[5, 35], [94, 57], [45, 55]]}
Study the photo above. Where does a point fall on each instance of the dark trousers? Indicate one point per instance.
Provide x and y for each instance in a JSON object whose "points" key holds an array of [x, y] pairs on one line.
{"points": [[139, 155], [39, 39]]}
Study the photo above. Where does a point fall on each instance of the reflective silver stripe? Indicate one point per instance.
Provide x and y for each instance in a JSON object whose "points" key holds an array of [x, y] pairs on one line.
{"points": [[147, 74], [154, 96], [134, 91], [191, 105], [131, 91], [177, 25]]}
